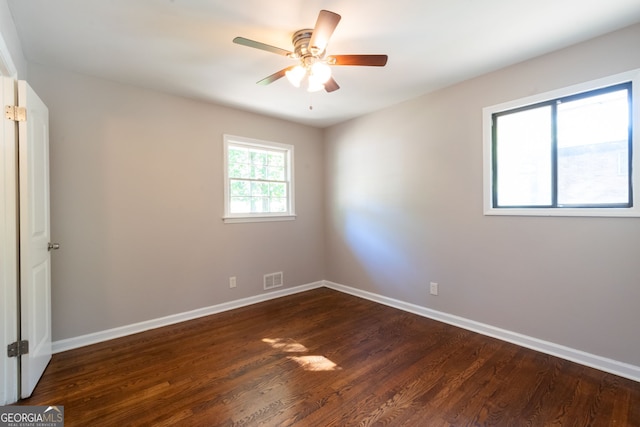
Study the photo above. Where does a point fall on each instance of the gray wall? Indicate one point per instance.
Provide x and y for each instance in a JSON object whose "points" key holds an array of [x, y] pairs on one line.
{"points": [[10, 37], [137, 202], [404, 207]]}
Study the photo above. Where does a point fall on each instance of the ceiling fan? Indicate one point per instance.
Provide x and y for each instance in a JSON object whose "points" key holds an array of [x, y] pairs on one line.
{"points": [[313, 67]]}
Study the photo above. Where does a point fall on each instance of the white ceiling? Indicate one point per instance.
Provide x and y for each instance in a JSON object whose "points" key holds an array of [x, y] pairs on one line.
{"points": [[185, 46]]}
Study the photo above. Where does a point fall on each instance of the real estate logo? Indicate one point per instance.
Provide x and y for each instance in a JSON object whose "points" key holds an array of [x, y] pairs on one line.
{"points": [[32, 416]]}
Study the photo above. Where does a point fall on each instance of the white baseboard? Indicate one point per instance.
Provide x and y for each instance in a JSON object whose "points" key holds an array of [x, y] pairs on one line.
{"points": [[109, 334], [594, 361]]}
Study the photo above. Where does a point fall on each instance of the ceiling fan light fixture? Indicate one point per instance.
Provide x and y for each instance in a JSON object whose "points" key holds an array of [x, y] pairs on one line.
{"points": [[321, 72], [315, 85], [295, 75]]}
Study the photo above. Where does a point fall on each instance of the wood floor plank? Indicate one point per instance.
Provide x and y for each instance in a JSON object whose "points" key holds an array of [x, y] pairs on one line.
{"points": [[324, 358]]}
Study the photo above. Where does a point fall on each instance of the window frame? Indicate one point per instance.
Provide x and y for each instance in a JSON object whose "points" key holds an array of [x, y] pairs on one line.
{"points": [[489, 184], [240, 141]]}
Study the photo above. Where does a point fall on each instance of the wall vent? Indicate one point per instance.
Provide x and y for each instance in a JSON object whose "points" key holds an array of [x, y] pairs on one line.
{"points": [[273, 280]]}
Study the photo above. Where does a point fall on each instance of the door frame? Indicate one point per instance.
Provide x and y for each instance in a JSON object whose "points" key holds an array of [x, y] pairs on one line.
{"points": [[8, 235]]}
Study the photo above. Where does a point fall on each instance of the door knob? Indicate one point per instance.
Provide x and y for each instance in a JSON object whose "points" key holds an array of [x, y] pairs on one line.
{"points": [[53, 246]]}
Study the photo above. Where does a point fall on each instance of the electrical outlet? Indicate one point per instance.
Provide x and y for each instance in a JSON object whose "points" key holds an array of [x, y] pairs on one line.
{"points": [[433, 288], [232, 282]]}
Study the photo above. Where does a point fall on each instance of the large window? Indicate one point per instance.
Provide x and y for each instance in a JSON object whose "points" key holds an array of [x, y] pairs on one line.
{"points": [[258, 180], [566, 153]]}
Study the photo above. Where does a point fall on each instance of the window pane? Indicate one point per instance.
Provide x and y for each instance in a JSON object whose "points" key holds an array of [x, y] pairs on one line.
{"points": [[240, 188], [277, 189], [240, 205], [278, 205], [523, 150], [239, 170], [276, 159], [593, 150], [260, 189], [258, 158], [259, 204], [276, 173], [259, 172], [238, 155]]}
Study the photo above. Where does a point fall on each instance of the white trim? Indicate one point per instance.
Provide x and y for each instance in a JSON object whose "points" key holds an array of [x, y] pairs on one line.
{"points": [[634, 77], [615, 367], [109, 334], [231, 220], [8, 233], [8, 247]]}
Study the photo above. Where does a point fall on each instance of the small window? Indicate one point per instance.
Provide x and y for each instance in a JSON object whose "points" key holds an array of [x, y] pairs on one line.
{"points": [[258, 180], [569, 154]]}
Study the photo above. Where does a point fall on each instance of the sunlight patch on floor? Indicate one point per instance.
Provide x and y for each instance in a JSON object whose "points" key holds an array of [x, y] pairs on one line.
{"points": [[315, 363], [286, 344], [306, 362]]}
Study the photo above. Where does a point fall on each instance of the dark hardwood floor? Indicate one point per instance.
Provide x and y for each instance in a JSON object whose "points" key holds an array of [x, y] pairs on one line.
{"points": [[323, 358]]}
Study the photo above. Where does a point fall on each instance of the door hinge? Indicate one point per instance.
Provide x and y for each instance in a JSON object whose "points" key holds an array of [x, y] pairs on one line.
{"points": [[18, 348], [15, 113]]}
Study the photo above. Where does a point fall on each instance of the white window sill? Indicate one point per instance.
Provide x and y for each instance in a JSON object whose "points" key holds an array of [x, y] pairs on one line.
{"points": [[577, 212], [268, 218]]}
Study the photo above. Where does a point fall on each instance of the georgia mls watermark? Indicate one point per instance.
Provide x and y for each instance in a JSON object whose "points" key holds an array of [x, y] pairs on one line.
{"points": [[31, 416]]}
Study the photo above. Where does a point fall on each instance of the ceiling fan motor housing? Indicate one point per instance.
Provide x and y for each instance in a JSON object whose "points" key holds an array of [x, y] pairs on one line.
{"points": [[300, 40]]}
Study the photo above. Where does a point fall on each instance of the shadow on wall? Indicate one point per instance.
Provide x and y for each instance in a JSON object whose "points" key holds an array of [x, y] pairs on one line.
{"points": [[375, 212], [382, 240]]}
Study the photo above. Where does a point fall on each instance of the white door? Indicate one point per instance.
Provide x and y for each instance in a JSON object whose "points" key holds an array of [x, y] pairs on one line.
{"points": [[35, 258]]}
